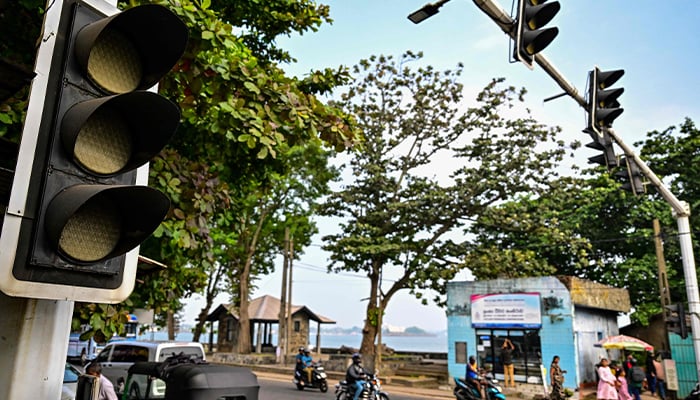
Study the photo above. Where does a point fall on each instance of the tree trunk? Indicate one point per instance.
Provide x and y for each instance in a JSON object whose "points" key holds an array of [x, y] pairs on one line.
{"points": [[369, 332], [171, 325], [202, 320], [244, 342]]}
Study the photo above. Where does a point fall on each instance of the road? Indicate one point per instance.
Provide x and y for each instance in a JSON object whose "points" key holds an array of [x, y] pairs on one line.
{"points": [[273, 388]]}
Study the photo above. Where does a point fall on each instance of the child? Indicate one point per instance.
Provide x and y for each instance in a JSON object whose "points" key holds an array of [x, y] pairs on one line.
{"points": [[623, 390]]}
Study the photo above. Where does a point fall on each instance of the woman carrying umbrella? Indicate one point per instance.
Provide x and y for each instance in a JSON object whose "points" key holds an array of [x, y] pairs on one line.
{"points": [[606, 382]]}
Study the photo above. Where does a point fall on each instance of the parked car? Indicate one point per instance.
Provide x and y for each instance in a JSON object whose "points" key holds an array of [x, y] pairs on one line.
{"points": [[70, 382], [116, 357]]}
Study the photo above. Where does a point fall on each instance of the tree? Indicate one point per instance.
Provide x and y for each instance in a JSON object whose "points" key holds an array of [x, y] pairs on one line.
{"points": [[239, 110], [397, 219]]}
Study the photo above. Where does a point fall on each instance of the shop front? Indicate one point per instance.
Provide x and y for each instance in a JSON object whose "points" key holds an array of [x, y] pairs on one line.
{"points": [[542, 317]]}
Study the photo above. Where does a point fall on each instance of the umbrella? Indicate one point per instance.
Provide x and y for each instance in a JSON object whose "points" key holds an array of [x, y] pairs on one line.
{"points": [[624, 342]]}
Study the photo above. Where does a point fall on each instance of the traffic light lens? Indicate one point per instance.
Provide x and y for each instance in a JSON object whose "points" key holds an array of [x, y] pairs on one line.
{"points": [[93, 232], [114, 63], [103, 144]]}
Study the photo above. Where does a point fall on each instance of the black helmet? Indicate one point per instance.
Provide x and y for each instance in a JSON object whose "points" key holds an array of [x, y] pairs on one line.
{"points": [[356, 358]]}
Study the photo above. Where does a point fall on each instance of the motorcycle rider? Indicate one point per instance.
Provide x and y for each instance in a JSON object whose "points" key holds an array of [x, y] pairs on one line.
{"points": [[300, 364], [307, 361], [472, 375], [356, 375]]}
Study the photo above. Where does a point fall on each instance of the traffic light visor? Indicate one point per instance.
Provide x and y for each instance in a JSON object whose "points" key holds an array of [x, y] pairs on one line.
{"points": [[111, 135], [539, 15], [606, 79], [131, 50], [536, 41], [90, 223]]}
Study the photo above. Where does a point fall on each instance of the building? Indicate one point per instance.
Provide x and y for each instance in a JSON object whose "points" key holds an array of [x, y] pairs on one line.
{"points": [[264, 322], [542, 316]]}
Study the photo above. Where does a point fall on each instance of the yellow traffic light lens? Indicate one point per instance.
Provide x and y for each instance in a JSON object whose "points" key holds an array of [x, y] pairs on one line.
{"points": [[103, 144], [92, 232], [114, 63]]}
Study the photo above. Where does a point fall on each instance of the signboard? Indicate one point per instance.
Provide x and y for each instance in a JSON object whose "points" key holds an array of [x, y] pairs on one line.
{"points": [[671, 374], [506, 310]]}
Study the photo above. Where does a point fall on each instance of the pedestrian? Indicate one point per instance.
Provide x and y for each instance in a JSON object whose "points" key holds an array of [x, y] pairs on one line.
{"points": [[507, 360], [606, 382], [623, 390], [660, 379], [650, 372], [636, 380], [106, 388], [556, 379]]}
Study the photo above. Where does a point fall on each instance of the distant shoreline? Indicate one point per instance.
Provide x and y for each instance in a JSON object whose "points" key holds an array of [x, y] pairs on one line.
{"points": [[408, 334]]}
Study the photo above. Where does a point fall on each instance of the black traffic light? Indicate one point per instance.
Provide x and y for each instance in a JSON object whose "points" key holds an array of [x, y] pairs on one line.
{"points": [[604, 143], [675, 320], [631, 176], [530, 36], [603, 106], [87, 206]]}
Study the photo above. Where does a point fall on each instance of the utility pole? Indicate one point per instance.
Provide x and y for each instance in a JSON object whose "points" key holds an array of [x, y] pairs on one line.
{"points": [[290, 258], [282, 318]]}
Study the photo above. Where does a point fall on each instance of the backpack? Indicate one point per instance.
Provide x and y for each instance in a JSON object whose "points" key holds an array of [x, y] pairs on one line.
{"points": [[637, 375]]}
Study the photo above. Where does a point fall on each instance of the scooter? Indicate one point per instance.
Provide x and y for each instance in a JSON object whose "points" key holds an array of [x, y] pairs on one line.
{"points": [[318, 378], [466, 390]]}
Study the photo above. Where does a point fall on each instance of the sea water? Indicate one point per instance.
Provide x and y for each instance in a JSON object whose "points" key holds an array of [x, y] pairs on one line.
{"points": [[436, 343]]}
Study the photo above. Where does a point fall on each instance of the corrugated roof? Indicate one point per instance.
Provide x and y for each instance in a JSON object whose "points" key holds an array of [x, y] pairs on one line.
{"points": [[266, 309]]}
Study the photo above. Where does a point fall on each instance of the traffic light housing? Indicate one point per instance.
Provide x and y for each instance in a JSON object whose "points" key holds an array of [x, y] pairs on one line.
{"points": [[603, 104], [604, 143], [631, 176], [530, 35], [86, 208], [675, 320]]}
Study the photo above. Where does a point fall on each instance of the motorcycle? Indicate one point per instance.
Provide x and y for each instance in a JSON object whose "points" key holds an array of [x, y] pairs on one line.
{"points": [[343, 391], [375, 388], [466, 390], [318, 378]]}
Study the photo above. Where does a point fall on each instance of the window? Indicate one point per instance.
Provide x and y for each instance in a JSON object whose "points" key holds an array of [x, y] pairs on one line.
{"points": [[297, 326], [527, 355], [229, 329], [461, 352], [129, 354]]}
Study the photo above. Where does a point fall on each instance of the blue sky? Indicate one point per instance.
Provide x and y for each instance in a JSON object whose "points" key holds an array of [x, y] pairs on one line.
{"points": [[655, 43]]}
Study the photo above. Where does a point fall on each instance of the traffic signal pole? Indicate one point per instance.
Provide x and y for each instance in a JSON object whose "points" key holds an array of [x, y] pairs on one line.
{"points": [[35, 332], [681, 209]]}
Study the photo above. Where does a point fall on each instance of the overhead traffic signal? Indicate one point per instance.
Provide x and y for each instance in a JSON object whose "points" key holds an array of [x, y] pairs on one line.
{"points": [[631, 176], [87, 206], [675, 320], [604, 143], [530, 36], [603, 104]]}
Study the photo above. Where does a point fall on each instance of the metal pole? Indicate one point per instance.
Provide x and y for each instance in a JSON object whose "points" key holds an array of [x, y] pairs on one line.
{"points": [[680, 209]]}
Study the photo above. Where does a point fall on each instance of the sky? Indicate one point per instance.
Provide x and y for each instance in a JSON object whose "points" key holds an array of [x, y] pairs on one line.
{"points": [[655, 43]]}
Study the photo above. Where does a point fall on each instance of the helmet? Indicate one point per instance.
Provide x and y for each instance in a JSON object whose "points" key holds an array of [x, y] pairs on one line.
{"points": [[356, 358], [302, 349]]}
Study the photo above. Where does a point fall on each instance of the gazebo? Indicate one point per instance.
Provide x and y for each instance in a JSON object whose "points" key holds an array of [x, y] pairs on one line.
{"points": [[263, 313]]}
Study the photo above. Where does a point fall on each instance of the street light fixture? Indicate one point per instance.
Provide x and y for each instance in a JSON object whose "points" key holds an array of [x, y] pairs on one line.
{"points": [[426, 11]]}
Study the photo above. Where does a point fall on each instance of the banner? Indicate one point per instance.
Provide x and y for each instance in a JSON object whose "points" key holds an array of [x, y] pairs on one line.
{"points": [[506, 310]]}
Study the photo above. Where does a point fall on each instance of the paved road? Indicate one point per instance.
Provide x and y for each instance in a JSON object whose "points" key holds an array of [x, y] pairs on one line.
{"points": [[279, 387]]}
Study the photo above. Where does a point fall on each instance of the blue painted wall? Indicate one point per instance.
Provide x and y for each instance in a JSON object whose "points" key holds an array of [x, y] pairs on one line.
{"points": [[558, 335]]}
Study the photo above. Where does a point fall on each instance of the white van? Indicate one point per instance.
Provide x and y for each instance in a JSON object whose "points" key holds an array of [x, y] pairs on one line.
{"points": [[116, 357]]}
